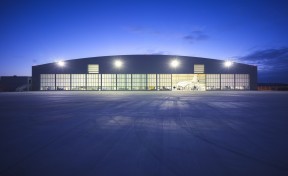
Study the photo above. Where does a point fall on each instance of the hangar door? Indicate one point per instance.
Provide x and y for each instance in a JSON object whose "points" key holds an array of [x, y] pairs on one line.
{"points": [[188, 82]]}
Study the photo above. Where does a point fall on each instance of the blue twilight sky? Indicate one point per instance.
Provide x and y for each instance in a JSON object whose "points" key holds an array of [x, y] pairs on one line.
{"points": [[35, 32]]}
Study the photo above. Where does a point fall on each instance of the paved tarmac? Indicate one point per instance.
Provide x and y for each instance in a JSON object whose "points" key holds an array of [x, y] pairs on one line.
{"points": [[144, 133]]}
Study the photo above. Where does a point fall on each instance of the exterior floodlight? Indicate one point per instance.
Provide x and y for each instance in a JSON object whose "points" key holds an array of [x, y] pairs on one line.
{"points": [[228, 64], [175, 63], [118, 63], [61, 63]]}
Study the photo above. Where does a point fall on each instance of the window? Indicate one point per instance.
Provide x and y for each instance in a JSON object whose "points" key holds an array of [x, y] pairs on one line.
{"points": [[164, 81], [108, 81], [242, 82], [93, 81], [139, 82], [213, 82], [47, 82], [62, 81], [227, 81], [198, 68], [151, 82], [123, 81], [93, 68], [78, 82]]}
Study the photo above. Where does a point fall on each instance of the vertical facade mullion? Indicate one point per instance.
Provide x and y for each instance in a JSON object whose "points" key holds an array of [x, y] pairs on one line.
{"points": [[171, 82], [205, 82], [131, 81], [146, 88], [85, 81], [234, 81], [126, 82], [116, 77], [157, 82], [55, 80], [100, 79], [220, 81], [70, 82]]}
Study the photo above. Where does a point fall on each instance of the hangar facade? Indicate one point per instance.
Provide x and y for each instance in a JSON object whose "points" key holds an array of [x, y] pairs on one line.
{"points": [[144, 72]]}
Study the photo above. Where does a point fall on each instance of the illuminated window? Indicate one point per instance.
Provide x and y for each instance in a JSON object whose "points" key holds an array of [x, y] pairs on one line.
{"points": [[213, 82], [108, 81], [242, 82], [93, 81], [78, 82], [227, 81], [123, 81], [47, 82], [164, 81], [62, 81], [198, 68], [151, 82], [139, 82], [93, 68]]}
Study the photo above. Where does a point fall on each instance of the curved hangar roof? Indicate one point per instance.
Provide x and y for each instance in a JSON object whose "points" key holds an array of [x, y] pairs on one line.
{"points": [[142, 64]]}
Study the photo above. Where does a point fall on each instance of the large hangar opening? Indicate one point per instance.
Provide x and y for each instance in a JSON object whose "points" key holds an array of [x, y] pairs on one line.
{"points": [[188, 82]]}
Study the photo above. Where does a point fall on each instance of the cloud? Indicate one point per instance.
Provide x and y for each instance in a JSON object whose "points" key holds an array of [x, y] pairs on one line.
{"points": [[268, 59], [195, 36], [272, 63]]}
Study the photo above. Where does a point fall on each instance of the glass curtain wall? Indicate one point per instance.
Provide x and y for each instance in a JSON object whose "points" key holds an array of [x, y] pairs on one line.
{"points": [[108, 81], [139, 82], [164, 82], [78, 82], [151, 82], [144, 82], [123, 81], [93, 81], [242, 82], [227, 81], [47, 82], [213, 82], [62, 81]]}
